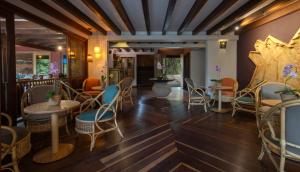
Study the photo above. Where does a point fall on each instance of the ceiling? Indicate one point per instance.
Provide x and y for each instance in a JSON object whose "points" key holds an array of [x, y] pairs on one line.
{"points": [[152, 17]]}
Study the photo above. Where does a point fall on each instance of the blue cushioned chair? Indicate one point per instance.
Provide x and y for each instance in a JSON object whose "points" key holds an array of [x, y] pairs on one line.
{"points": [[89, 120], [283, 140]]}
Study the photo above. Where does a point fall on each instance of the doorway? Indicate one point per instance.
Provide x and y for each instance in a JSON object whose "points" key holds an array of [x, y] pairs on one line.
{"points": [[145, 70]]}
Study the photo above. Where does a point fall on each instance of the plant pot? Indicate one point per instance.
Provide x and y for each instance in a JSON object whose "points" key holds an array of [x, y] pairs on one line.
{"points": [[54, 100], [288, 97]]}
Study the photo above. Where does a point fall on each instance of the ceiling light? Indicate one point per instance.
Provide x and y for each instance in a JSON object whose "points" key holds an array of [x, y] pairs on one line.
{"points": [[59, 48], [236, 28]]}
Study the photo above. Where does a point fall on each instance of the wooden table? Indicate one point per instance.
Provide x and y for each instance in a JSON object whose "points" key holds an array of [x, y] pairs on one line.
{"points": [[270, 102], [56, 151], [220, 109]]}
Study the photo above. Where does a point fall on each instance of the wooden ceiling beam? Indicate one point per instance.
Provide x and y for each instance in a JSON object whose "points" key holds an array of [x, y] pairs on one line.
{"points": [[197, 6], [42, 6], [265, 15], [217, 12], [123, 14], [31, 45], [97, 9], [146, 15], [27, 15], [168, 17], [66, 5], [250, 5]]}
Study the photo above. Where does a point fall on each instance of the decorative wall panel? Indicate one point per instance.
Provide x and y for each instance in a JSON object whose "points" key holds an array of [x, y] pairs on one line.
{"points": [[270, 57]]}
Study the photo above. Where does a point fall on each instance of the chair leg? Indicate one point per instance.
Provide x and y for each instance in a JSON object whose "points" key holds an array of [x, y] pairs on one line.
{"points": [[262, 153], [92, 142], [269, 153], [119, 131], [14, 159], [131, 99], [205, 108], [282, 163], [189, 105]]}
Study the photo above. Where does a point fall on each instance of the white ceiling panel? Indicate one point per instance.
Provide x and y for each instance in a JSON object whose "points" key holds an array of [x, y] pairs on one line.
{"points": [[157, 10], [205, 11], [135, 12], [181, 10], [112, 13]]}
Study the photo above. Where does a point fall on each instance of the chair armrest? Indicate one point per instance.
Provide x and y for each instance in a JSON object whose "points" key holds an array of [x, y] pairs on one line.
{"points": [[8, 148], [7, 117]]}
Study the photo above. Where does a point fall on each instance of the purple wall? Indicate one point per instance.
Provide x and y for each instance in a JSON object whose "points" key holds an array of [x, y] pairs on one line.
{"points": [[283, 29]]}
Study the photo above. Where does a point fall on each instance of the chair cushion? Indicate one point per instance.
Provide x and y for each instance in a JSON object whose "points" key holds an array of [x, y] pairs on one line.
{"points": [[109, 94], [268, 136], [6, 136], [90, 115], [246, 100], [92, 93], [91, 82]]}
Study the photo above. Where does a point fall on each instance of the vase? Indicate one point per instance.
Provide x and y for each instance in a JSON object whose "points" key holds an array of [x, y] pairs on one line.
{"points": [[54, 100], [288, 97]]}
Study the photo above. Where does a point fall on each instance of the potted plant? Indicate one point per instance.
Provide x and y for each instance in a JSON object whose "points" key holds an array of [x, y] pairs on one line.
{"points": [[289, 72], [54, 97]]}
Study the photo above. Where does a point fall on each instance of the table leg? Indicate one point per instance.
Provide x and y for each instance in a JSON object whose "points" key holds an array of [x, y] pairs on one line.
{"points": [[56, 151], [54, 133], [219, 100]]}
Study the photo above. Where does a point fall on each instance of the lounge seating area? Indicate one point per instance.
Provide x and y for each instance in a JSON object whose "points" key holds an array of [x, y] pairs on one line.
{"points": [[149, 85]]}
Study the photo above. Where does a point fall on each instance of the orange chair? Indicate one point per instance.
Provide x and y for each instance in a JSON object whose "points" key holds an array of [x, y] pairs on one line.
{"points": [[88, 84], [229, 82]]}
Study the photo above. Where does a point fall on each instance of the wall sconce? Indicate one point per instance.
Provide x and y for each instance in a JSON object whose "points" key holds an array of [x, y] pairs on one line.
{"points": [[72, 54], [97, 52], [89, 58], [222, 44]]}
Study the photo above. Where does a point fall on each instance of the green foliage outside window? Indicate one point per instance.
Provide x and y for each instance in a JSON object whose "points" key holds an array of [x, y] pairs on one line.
{"points": [[42, 65], [172, 66]]}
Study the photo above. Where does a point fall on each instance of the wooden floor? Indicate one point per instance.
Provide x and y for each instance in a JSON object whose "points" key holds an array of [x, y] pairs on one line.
{"points": [[161, 135]]}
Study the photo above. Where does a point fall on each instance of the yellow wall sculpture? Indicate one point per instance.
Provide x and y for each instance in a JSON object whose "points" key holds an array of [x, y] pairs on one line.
{"points": [[270, 58]]}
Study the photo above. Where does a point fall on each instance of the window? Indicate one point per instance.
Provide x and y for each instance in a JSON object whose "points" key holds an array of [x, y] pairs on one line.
{"points": [[42, 64]]}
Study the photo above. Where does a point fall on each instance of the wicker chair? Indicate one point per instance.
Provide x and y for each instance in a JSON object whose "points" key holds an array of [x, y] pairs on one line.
{"points": [[89, 121], [35, 123], [244, 100], [283, 140], [88, 84], [126, 91], [266, 91], [196, 96], [15, 141]]}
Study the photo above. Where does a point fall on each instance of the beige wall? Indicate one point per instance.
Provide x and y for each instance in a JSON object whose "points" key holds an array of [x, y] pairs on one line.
{"points": [[98, 64]]}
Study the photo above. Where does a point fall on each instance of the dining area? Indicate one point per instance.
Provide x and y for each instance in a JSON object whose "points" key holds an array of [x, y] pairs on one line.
{"points": [[58, 109]]}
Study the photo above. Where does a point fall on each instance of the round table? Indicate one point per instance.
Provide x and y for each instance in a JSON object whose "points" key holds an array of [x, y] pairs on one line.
{"points": [[160, 87], [57, 151], [220, 109]]}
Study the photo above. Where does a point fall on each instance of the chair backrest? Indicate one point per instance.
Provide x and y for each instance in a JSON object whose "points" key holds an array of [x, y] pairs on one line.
{"points": [[38, 94], [292, 126], [110, 94], [126, 83], [89, 83], [287, 125], [229, 82], [190, 85], [268, 90]]}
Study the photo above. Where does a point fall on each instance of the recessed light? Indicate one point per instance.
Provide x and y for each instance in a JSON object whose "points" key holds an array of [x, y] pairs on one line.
{"points": [[236, 28]]}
